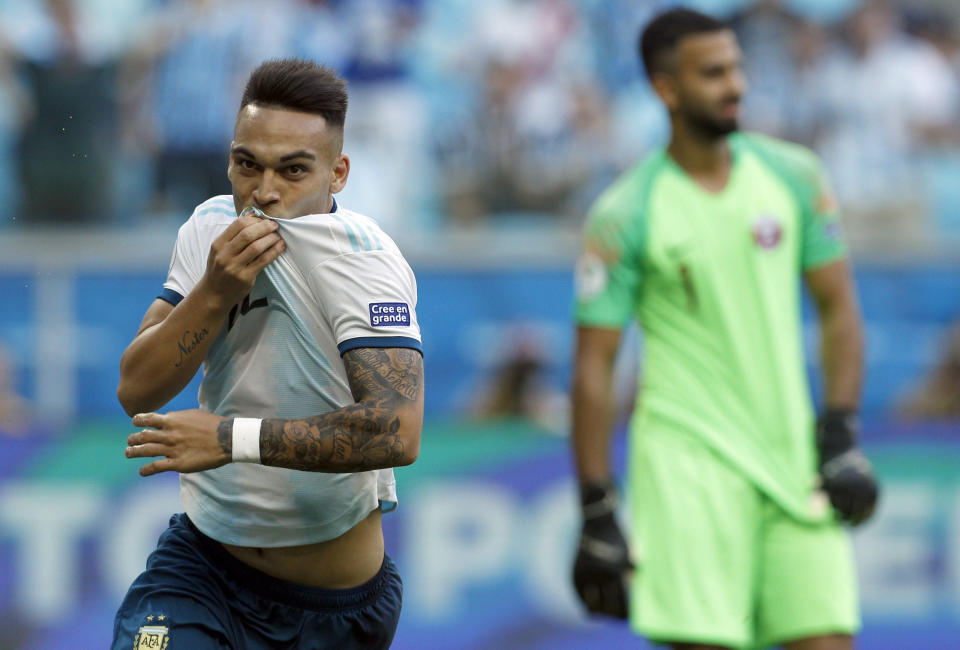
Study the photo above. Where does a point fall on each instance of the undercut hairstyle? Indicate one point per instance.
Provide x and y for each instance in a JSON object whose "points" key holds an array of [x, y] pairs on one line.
{"points": [[661, 35], [298, 85]]}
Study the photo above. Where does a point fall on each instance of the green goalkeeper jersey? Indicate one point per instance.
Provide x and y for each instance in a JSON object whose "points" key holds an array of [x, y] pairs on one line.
{"points": [[714, 281]]}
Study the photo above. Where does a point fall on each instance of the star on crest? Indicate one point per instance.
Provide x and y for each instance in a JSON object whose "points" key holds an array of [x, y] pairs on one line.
{"points": [[150, 618]]}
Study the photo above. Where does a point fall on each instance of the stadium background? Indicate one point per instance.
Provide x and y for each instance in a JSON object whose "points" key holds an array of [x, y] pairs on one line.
{"points": [[479, 133]]}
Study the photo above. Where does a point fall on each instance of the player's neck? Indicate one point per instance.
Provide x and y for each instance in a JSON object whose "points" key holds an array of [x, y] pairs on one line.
{"points": [[707, 160]]}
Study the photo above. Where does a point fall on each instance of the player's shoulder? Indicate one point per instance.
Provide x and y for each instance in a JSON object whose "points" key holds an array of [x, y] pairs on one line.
{"points": [[358, 233], [625, 199], [215, 211], [342, 238], [783, 157]]}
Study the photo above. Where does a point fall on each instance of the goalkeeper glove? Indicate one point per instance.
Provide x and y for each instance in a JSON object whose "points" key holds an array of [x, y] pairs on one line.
{"points": [[846, 473], [603, 559]]}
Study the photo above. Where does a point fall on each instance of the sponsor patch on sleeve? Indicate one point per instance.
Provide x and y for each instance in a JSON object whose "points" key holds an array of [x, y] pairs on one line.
{"points": [[590, 276], [833, 230], [389, 314]]}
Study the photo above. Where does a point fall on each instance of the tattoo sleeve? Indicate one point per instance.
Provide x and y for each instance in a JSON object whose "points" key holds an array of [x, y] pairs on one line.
{"points": [[387, 384]]}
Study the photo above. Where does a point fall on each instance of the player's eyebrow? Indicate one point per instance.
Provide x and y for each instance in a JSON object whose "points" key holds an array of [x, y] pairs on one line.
{"points": [[244, 151], [298, 154], [239, 149]]}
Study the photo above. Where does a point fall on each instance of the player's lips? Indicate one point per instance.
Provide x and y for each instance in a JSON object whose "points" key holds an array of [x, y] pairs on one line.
{"points": [[730, 110]]}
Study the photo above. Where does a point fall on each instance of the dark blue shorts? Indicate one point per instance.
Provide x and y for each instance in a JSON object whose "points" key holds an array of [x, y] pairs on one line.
{"points": [[196, 596]]}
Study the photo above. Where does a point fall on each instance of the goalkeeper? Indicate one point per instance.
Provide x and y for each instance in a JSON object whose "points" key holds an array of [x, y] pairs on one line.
{"points": [[738, 495]]}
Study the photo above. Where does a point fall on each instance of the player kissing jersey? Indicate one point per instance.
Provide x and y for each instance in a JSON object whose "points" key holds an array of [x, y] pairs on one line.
{"points": [[341, 284], [713, 279]]}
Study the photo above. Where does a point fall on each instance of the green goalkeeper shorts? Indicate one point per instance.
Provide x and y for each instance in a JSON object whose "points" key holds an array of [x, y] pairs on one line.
{"points": [[720, 563]]}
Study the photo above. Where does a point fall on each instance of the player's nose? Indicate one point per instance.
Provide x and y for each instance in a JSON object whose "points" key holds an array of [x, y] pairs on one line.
{"points": [[737, 84], [267, 190]]}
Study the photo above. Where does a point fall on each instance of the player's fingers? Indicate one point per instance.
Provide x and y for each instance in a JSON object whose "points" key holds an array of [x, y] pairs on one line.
{"points": [[623, 608], [257, 248], [621, 604], [146, 436], [250, 234], [154, 420], [157, 466], [272, 253], [147, 450], [590, 596], [235, 227], [611, 598]]}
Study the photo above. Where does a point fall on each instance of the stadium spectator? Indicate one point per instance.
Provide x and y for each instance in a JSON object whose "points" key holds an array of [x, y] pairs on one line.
{"points": [[875, 99], [938, 397], [15, 416], [519, 385], [880, 96], [66, 148], [196, 55], [387, 129], [14, 111]]}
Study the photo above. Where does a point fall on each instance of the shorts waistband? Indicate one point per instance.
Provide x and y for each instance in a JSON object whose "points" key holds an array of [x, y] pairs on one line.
{"points": [[286, 592]]}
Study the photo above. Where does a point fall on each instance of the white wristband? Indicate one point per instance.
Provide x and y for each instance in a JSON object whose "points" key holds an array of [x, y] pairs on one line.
{"points": [[246, 440]]}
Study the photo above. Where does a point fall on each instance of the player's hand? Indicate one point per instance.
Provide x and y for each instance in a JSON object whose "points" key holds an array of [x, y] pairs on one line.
{"points": [[847, 475], [603, 564], [238, 255], [187, 440]]}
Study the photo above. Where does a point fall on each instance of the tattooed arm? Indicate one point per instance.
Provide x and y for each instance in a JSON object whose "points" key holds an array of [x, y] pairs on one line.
{"points": [[173, 341], [380, 429]]}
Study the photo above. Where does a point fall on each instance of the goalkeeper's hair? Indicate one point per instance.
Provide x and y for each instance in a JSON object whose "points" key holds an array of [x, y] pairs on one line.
{"points": [[298, 85], [661, 35]]}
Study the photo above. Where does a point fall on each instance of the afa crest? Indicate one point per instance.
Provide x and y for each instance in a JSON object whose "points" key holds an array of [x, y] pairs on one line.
{"points": [[152, 637]]}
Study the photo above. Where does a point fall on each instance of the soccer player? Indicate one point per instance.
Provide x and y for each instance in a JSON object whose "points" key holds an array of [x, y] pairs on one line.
{"points": [[303, 314], [704, 243]]}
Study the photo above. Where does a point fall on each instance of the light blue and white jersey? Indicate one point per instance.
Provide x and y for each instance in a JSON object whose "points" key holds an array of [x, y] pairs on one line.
{"points": [[341, 284]]}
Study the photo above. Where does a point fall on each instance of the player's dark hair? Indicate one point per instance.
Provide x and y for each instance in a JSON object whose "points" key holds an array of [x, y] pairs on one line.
{"points": [[662, 34], [298, 85]]}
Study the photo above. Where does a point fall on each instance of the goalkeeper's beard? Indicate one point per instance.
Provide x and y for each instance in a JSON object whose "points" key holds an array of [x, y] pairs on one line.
{"points": [[709, 127]]}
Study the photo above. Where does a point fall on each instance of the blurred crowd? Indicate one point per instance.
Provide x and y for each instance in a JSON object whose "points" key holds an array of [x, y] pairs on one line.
{"points": [[499, 112]]}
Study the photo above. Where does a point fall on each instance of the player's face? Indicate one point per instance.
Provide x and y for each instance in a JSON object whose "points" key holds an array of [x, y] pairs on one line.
{"points": [[285, 163], [707, 82]]}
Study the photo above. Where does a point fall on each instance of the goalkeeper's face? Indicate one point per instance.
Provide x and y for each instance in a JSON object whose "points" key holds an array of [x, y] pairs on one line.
{"points": [[286, 163], [705, 83]]}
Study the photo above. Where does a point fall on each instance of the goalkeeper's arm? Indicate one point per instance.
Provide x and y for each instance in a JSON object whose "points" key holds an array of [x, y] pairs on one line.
{"points": [[847, 475], [602, 556]]}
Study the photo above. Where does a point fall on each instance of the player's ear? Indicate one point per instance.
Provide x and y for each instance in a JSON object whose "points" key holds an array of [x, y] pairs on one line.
{"points": [[341, 170], [666, 88], [230, 160]]}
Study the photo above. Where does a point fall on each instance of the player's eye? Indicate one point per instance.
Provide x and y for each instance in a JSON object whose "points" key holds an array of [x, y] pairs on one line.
{"points": [[296, 170], [244, 163]]}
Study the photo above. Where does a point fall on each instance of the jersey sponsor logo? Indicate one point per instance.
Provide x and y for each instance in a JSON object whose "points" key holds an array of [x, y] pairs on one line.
{"points": [[389, 314], [152, 637], [590, 276], [767, 231]]}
